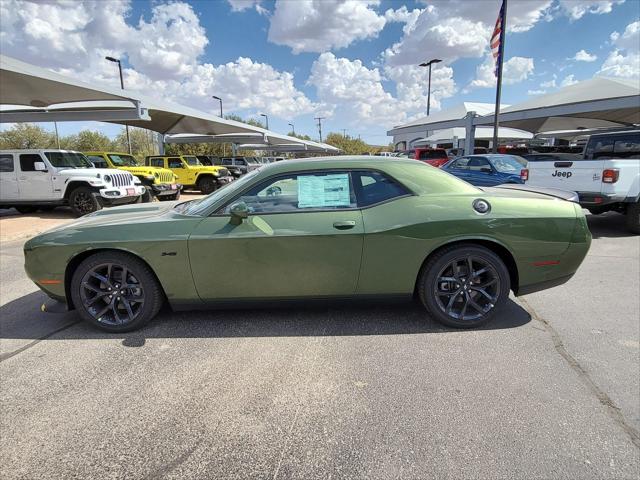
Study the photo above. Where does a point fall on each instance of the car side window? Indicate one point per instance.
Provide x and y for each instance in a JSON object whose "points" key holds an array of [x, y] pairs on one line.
{"points": [[175, 163], [241, 161], [300, 192], [157, 162], [227, 161], [98, 161], [627, 146], [461, 163], [599, 148], [27, 162], [6, 163], [478, 163], [374, 187]]}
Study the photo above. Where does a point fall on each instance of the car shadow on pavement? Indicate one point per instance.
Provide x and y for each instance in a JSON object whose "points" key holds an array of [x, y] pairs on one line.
{"points": [[23, 319], [608, 225], [59, 213]]}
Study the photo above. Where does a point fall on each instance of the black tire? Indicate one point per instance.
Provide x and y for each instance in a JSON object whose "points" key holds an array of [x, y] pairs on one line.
{"points": [[632, 219], [206, 185], [439, 283], [24, 209], [169, 198], [82, 201], [108, 313], [146, 197]]}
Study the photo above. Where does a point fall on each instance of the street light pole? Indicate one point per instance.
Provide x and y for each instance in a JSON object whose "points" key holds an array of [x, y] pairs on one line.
{"points": [[220, 100], [115, 60], [266, 118], [293, 129], [428, 64]]}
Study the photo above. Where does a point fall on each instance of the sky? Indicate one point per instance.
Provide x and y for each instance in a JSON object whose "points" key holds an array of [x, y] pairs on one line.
{"points": [[353, 62]]}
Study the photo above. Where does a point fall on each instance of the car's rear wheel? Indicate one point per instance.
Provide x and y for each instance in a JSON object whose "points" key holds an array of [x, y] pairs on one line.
{"points": [[82, 201], [206, 185], [464, 286], [115, 291], [147, 196], [633, 218]]}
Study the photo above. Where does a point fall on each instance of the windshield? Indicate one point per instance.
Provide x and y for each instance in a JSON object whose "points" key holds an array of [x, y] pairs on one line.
{"points": [[68, 160], [508, 163], [123, 160], [194, 206], [193, 161]]}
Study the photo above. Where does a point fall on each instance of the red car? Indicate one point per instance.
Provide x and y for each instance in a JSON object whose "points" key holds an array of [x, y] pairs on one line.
{"points": [[435, 157]]}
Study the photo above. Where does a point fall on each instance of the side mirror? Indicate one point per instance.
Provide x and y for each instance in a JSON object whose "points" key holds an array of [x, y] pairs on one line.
{"points": [[486, 170], [239, 211], [39, 167]]}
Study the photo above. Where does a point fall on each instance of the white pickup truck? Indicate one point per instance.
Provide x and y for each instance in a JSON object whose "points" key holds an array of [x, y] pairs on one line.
{"points": [[606, 176], [32, 179]]}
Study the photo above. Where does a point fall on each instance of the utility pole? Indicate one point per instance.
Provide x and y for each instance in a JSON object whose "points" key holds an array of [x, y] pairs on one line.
{"points": [[319, 119], [344, 132], [266, 119], [115, 60], [55, 124]]}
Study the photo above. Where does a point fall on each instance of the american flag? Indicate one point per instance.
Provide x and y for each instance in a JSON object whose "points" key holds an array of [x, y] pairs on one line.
{"points": [[495, 39]]}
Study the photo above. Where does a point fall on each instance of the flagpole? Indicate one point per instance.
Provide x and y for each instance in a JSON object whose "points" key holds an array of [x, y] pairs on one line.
{"points": [[503, 32]]}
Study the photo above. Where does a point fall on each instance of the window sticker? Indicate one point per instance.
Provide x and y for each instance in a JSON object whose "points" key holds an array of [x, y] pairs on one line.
{"points": [[316, 191]]}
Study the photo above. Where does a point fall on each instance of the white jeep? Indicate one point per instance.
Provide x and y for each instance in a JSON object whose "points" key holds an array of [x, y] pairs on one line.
{"points": [[606, 176], [32, 179]]}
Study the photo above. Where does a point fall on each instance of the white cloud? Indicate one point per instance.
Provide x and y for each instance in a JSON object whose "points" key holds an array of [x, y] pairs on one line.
{"points": [[452, 29], [584, 56], [322, 25], [568, 81], [163, 53], [550, 83], [354, 92], [624, 60], [242, 5], [515, 70], [576, 9], [536, 92]]}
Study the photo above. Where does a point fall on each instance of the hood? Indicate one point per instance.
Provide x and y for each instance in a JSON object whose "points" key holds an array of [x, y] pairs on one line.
{"points": [[133, 213], [89, 172]]}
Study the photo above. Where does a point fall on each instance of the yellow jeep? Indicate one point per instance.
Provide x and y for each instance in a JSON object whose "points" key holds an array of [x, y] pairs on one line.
{"points": [[191, 173], [160, 182]]}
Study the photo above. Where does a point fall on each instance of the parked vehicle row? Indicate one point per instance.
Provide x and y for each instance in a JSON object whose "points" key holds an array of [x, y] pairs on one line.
{"points": [[32, 179], [190, 173]]}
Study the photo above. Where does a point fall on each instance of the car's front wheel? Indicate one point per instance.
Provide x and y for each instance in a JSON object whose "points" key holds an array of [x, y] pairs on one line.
{"points": [[115, 291], [464, 286], [82, 201], [206, 185], [633, 218]]}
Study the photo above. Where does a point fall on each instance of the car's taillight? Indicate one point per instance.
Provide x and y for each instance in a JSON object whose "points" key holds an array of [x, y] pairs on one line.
{"points": [[610, 175], [524, 174]]}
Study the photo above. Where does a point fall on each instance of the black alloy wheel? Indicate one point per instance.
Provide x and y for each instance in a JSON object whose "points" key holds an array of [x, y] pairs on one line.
{"points": [[83, 201], [115, 291], [464, 286]]}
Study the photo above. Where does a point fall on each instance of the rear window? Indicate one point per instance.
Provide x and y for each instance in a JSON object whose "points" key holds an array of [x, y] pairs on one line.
{"points": [[429, 154], [6, 163], [613, 146]]}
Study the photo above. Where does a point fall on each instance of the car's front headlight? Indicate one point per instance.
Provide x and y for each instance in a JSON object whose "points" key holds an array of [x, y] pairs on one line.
{"points": [[150, 177], [107, 178], [217, 174]]}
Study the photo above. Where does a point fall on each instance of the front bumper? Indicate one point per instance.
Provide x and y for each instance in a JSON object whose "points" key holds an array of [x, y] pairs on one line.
{"points": [[162, 189], [224, 180], [112, 194]]}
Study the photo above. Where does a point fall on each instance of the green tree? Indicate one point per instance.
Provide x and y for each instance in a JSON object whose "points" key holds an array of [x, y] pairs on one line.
{"points": [[301, 137], [26, 135], [87, 140], [348, 145], [143, 142]]}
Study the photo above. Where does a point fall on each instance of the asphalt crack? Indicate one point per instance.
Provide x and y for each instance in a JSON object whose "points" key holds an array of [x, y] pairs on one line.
{"points": [[6, 356], [604, 399]]}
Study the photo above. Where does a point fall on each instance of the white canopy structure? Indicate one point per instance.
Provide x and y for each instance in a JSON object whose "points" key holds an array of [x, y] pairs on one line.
{"points": [[27, 92], [449, 134], [597, 103], [265, 140], [33, 94]]}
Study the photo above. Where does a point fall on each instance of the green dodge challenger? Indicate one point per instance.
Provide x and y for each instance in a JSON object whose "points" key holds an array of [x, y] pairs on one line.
{"points": [[329, 228]]}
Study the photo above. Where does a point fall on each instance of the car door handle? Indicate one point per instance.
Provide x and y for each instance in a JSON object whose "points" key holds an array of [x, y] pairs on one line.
{"points": [[345, 225], [562, 164]]}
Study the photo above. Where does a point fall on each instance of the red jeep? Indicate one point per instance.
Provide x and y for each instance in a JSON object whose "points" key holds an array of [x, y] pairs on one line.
{"points": [[433, 156]]}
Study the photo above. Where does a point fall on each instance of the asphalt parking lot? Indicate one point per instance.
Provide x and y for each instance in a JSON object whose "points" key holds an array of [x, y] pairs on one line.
{"points": [[548, 390]]}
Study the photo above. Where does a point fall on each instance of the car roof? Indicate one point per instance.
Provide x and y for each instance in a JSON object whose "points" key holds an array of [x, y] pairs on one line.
{"points": [[338, 162]]}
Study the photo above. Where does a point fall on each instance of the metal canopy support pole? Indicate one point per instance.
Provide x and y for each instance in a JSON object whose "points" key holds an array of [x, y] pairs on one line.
{"points": [[470, 133], [160, 144], [234, 149]]}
